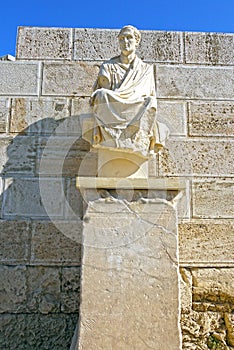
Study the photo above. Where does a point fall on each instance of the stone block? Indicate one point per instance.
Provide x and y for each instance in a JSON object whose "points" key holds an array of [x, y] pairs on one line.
{"points": [[36, 43], [4, 114], [52, 332], [159, 46], [229, 323], [211, 118], [1, 196], [213, 199], [33, 198], [102, 44], [95, 44], [19, 155], [185, 290], [174, 115], [18, 78], [13, 332], [5, 145], [27, 332], [209, 48], [184, 204], [43, 289], [203, 330], [37, 115], [56, 243], [194, 82], [31, 289], [213, 289], [74, 201], [70, 126], [81, 105], [14, 244], [129, 271], [13, 289], [70, 289], [82, 110], [206, 242], [60, 155], [74, 79], [197, 157]]}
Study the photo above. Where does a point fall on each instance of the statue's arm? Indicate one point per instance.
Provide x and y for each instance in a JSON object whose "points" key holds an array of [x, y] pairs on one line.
{"points": [[104, 77], [104, 82]]}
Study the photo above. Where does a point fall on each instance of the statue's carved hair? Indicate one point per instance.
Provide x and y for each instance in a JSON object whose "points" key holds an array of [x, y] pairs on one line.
{"points": [[136, 32]]}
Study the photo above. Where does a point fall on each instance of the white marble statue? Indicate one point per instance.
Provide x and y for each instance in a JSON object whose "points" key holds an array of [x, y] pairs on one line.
{"points": [[124, 101]]}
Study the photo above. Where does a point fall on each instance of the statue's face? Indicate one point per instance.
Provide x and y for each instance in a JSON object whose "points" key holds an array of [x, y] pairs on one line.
{"points": [[127, 41]]}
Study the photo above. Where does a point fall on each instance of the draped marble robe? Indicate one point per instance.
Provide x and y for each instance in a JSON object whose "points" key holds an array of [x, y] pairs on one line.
{"points": [[125, 114]]}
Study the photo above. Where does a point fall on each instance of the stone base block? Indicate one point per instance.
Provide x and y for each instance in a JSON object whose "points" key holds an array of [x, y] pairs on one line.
{"points": [[130, 292]]}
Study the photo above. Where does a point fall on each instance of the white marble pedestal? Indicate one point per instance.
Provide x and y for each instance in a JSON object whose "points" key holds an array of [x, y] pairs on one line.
{"points": [[130, 289]]}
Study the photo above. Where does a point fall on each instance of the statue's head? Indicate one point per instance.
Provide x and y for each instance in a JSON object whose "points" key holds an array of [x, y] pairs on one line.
{"points": [[130, 30]]}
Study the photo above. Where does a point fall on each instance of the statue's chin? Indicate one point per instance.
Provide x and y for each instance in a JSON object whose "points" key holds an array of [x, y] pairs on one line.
{"points": [[127, 51]]}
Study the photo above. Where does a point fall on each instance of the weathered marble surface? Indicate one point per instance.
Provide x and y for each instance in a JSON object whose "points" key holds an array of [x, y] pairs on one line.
{"points": [[4, 114], [211, 48], [206, 242], [44, 43], [213, 198], [214, 118], [26, 114], [213, 289], [62, 79], [15, 242], [98, 44], [191, 157], [19, 78], [23, 198], [195, 82], [130, 296], [37, 331], [207, 317]]}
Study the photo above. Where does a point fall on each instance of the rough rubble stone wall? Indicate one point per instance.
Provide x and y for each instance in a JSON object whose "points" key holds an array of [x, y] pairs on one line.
{"points": [[42, 94]]}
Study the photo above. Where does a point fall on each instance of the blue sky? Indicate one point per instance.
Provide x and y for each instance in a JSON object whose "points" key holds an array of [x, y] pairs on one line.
{"points": [[179, 15]]}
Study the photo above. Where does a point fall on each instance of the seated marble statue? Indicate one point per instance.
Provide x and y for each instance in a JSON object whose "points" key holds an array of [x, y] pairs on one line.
{"points": [[124, 101]]}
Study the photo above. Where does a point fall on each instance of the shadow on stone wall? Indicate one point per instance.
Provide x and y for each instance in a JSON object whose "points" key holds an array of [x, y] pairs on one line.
{"points": [[41, 221]]}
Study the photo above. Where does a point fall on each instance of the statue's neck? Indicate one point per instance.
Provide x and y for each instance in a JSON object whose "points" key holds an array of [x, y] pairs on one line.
{"points": [[127, 59]]}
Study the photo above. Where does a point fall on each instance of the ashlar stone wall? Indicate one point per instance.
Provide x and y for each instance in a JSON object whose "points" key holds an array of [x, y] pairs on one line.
{"points": [[42, 94]]}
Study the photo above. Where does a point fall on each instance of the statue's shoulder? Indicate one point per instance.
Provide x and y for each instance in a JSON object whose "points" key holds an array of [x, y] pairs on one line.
{"points": [[111, 61], [143, 65], [148, 65]]}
